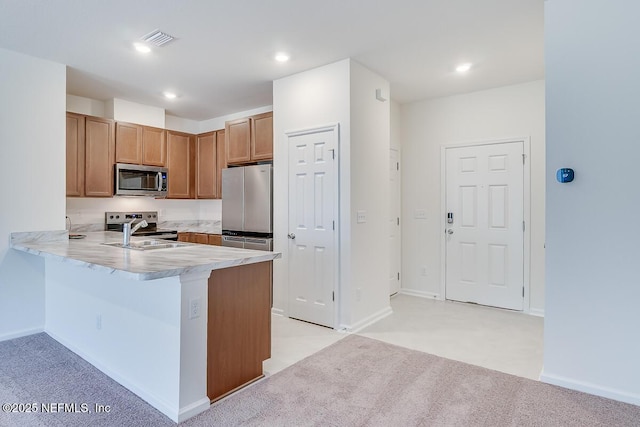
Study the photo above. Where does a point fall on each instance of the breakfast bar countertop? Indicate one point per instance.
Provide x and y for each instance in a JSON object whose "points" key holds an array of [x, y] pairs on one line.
{"points": [[91, 252]]}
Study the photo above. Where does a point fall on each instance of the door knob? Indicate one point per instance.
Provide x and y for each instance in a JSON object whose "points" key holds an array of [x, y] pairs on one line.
{"points": [[450, 231], [291, 236]]}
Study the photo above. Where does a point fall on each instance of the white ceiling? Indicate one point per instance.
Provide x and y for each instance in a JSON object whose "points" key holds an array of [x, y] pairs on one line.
{"points": [[222, 59]]}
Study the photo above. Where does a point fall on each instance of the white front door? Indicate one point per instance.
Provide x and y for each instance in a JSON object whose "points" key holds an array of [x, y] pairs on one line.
{"points": [[313, 195], [485, 240], [394, 222]]}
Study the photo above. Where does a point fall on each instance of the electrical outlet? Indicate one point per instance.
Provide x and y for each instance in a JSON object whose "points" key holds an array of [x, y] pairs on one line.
{"points": [[99, 321], [423, 271], [194, 308], [361, 217]]}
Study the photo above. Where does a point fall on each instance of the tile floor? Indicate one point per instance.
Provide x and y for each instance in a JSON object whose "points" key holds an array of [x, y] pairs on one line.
{"points": [[503, 340]]}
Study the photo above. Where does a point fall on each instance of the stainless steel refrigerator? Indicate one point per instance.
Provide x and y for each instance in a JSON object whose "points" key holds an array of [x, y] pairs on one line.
{"points": [[247, 207]]}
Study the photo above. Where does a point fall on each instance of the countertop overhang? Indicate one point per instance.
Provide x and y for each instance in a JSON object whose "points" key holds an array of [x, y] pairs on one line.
{"points": [[90, 252]]}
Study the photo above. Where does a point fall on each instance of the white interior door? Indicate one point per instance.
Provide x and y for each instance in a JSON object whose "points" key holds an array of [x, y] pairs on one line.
{"points": [[313, 195], [485, 242], [394, 222]]}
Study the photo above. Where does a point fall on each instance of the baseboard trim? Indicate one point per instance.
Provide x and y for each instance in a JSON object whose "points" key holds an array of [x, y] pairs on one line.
{"points": [[20, 334], [194, 409], [358, 326], [536, 312], [416, 293], [591, 388]]}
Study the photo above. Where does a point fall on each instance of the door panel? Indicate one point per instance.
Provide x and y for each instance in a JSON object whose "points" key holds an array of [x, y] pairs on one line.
{"points": [[485, 243], [312, 202]]}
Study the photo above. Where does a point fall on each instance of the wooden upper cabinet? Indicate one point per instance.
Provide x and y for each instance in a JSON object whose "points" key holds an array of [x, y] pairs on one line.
{"points": [[75, 155], [222, 160], [180, 162], [238, 140], [154, 146], [262, 137], [250, 139], [206, 170], [99, 157], [128, 143]]}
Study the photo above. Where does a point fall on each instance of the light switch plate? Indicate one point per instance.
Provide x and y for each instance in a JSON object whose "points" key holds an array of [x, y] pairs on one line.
{"points": [[361, 217], [420, 214]]}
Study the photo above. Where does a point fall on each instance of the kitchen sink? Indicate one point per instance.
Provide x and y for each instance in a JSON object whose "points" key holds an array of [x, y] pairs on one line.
{"points": [[146, 245]]}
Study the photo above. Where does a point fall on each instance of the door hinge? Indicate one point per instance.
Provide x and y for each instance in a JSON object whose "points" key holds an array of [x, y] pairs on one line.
{"points": [[397, 166], [333, 153], [334, 225], [523, 292], [523, 157], [523, 226], [398, 276], [333, 296], [398, 220]]}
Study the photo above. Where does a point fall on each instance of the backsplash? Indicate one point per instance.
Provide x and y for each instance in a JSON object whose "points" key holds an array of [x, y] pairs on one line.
{"points": [[88, 213]]}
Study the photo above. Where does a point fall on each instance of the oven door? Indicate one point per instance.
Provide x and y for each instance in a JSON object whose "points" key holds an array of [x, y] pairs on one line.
{"points": [[136, 180]]}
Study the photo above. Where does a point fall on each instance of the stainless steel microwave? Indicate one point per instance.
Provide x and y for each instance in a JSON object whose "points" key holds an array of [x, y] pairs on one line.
{"points": [[137, 180]]}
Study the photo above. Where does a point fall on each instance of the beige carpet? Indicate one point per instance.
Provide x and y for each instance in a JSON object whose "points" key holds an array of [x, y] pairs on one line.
{"points": [[363, 382]]}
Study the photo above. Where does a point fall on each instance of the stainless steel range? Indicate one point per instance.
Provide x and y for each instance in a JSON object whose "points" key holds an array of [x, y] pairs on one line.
{"points": [[114, 221]]}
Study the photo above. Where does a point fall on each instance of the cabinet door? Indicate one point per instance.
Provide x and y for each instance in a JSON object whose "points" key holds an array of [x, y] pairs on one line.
{"points": [[215, 239], [154, 146], [99, 157], [238, 141], [206, 176], [184, 237], [75, 155], [179, 163], [262, 137], [222, 160], [202, 238], [128, 143]]}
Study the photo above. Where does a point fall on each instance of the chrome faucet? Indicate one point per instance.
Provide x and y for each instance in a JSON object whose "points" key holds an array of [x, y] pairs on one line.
{"points": [[127, 231]]}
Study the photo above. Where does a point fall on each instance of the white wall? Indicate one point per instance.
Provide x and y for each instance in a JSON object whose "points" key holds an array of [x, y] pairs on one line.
{"points": [[182, 125], [32, 180], [132, 112], [593, 291], [344, 93], [90, 210], [313, 98], [512, 111], [218, 122], [369, 151], [87, 106]]}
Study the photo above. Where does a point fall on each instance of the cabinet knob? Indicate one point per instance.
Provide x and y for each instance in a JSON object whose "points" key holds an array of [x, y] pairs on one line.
{"points": [[291, 236]]}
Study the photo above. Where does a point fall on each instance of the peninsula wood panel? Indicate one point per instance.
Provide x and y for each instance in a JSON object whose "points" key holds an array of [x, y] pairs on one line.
{"points": [[215, 239], [262, 137], [154, 146], [239, 326], [75, 155], [128, 143], [99, 157]]}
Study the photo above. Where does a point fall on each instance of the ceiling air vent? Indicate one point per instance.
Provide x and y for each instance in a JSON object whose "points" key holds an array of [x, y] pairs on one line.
{"points": [[157, 38]]}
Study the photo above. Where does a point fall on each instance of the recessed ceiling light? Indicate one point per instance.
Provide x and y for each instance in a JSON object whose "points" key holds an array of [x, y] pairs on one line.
{"points": [[169, 95], [281, 57], [463, 68], [142, 48]]}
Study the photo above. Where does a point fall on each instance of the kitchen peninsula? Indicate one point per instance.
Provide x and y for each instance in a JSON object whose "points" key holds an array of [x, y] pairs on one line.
{"points": [[178, 326]]}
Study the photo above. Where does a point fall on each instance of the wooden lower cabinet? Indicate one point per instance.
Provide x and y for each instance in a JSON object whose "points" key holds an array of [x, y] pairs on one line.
{"points": [[202, 238], [239, 326]]}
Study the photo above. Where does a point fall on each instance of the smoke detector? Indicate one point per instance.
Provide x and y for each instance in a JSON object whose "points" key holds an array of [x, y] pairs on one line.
{"points": [[157, 38]]}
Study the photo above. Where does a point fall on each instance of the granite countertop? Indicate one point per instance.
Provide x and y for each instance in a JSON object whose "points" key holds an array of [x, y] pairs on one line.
{"points": [[90, 252]]}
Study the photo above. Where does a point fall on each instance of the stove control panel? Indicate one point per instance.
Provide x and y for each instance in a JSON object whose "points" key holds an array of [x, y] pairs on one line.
{"points": [[122, 217]]}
